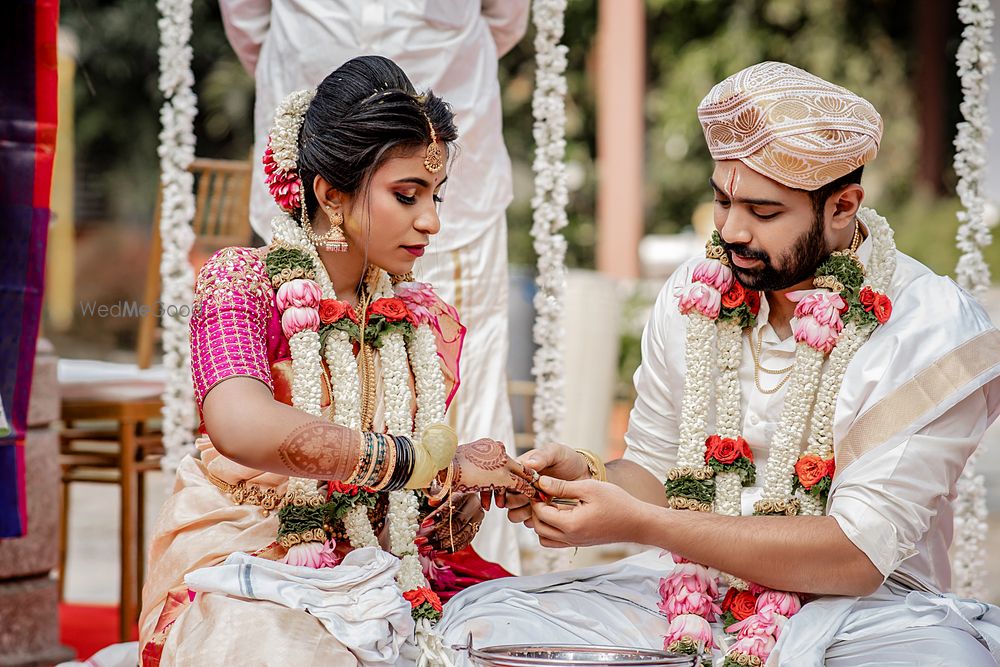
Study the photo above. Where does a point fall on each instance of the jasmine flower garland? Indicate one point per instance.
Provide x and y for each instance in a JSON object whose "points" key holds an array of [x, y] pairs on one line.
{"points": [[719, 465]]}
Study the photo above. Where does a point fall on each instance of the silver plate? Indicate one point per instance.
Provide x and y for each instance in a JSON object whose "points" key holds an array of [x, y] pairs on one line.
{"points": [[517, 655]]}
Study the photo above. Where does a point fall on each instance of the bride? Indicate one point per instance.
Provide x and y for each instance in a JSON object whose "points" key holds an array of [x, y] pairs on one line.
{"points": [[323, 373]]}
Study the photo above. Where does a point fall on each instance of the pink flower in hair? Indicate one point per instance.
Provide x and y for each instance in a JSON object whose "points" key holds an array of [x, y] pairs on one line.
{"points": [[284, 186], [714, 273], [689, 626], [298, 293], [701, 298], [294, 320]]}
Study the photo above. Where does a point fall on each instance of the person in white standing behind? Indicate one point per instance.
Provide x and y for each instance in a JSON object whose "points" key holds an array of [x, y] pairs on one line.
{"points": [[451, 48]]}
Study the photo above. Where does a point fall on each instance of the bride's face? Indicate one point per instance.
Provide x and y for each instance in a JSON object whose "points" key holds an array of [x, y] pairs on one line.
{"points": [[394, 223]]}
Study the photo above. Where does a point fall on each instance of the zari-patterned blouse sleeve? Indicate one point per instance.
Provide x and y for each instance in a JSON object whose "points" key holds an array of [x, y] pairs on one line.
{"points": [[229, 326]]}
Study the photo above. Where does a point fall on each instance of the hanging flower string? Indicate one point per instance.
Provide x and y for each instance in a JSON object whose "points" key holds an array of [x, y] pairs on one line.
{"points": [[975, 59], [833, 319], [549, 203], [177, 208]]}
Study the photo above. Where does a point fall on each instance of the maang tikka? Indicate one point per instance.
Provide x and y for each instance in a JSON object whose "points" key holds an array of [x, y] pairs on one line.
{"points": [[434, 156]]}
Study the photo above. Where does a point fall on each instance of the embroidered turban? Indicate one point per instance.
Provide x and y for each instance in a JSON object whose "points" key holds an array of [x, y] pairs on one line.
{"points": [[791, 126]]}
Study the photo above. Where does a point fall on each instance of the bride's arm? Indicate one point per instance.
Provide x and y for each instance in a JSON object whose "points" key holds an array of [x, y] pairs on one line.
{"points": [[247, 425]]}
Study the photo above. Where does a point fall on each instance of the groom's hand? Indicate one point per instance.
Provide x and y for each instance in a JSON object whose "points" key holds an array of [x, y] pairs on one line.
{"points": [[558, 461]]}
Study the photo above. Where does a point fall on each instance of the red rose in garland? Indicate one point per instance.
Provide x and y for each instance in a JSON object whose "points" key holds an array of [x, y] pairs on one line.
{"points": [[810, 469], [752, 299], [727, 602], [727, 450], [419, 596], [392, 309], [734, 297], [336, 486], [745, 448], [332, 310], [831, 467], [744, 605], [710, 446], [882, 308], [867, 298]]}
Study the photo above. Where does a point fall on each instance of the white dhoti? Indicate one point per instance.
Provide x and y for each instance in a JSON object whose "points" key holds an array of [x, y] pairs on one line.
{"points": [[473, 278], [616, 605]]}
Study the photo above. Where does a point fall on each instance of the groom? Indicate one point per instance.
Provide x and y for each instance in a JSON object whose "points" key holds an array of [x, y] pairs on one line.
{"points": [[855, 390]]}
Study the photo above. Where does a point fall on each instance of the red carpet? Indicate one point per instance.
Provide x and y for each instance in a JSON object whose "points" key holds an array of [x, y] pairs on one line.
{"points": [[88, 628]]}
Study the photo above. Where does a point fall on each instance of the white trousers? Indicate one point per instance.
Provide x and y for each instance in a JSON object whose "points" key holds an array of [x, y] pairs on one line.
{"points": [[616, 605]]}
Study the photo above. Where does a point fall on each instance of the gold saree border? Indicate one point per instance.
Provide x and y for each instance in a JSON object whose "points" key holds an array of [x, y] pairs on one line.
{"points": [[919, 394]]}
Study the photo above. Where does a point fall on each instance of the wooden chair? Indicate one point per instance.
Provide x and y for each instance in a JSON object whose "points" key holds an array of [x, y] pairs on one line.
{"points": [[522, 396], [109, 411]]}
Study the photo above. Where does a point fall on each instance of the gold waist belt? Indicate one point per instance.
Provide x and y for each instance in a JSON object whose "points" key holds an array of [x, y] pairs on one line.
{"points": [[243, 493]]}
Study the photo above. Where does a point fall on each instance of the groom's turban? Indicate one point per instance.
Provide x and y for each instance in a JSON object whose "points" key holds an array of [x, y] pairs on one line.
{"points": [[789, 125]]}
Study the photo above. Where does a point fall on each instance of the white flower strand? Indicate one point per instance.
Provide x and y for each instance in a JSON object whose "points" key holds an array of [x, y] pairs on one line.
{"points": [[176, 152], [397, 397], [358, 527], [549, 204], [975, 64], [307, 377], [878, 276], [975, 61], [698, 359], [288, 118], [428, 378], [729, 400], [794, 416], [728, 412]]}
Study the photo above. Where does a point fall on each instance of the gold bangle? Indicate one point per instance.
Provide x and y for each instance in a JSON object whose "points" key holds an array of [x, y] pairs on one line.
{"points": [[594, 465], [445, 485]]}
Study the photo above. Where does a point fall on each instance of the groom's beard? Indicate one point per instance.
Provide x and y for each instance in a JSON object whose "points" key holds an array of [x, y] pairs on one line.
{"points": [[795, 265]]}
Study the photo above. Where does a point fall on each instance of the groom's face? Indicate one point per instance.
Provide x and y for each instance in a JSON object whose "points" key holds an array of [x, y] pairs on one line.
{"points": [[772, 235]]}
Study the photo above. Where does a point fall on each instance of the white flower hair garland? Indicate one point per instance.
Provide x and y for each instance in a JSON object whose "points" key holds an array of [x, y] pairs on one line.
{"points": [[975, 61], [177, 207], [549, 203]]}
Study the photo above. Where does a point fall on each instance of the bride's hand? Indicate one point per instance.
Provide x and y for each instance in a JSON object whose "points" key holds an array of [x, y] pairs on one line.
{"points": [[484, 467], [452, 526]]}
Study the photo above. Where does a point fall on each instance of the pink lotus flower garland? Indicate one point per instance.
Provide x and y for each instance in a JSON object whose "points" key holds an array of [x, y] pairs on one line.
{"points": [[817, 320], [312, 554], [757, 635], [298, 301], [709, 281]]}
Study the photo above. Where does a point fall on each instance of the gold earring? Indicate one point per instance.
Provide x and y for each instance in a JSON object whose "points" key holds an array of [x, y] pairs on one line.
{"points": [[334, 239]]}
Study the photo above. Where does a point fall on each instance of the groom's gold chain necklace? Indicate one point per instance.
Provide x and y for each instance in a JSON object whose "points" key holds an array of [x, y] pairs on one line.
{"points": [[755, 352]]}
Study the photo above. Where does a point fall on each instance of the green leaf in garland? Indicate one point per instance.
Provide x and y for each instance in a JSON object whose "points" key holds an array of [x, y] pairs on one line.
{"points": [[702, 491], [744, 466], [300, 518], [426, 610], [281, 258]]}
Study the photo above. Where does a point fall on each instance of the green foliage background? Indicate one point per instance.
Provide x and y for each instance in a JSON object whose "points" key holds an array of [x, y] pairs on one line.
{"points": [[866, 45]]}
